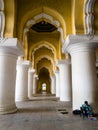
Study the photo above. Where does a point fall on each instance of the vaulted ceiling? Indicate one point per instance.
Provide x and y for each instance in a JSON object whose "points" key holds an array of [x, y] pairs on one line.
{"points": [[43, 25]]}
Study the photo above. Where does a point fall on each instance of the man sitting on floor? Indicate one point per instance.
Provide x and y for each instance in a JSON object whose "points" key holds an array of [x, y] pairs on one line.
{"points": [[87, 109]]}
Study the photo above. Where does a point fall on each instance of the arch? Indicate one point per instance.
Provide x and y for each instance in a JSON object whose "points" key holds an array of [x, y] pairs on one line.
{"points": [[44, 61], [43, 71], [41, 44], [44, 56], [89, 17], [2, 19], [44, 85], [42, 16], [47, 57], [46, 67], [96, 17], [47, 11]]}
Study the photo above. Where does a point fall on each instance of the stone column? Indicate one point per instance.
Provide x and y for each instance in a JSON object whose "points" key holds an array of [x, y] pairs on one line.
{"points": [[84, 79], [53, 85], [65, 80], [22, 80], [9, 51], [35, 78], [57, 83], [30, 82]]}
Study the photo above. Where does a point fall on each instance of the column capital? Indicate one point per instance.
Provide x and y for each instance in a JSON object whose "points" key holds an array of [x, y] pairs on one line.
{"points": [[27, 63], [79, 43], [11, 46], [36, 76], [62, 62], [31, 70]]}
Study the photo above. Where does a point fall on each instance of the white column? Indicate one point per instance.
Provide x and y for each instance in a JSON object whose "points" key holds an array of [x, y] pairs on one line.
{"points": [[53, 85], [35, 78], [57, 83], [84, 80], [65, 80], [9, 51], [30, 82], [22, 80]]}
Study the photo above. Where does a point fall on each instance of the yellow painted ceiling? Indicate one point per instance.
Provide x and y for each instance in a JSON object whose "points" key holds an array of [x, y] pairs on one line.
{"points": [[44, 48]]}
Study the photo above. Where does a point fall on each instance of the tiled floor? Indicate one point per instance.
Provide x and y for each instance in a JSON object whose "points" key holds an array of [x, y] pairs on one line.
{"points": [[45, 114]]}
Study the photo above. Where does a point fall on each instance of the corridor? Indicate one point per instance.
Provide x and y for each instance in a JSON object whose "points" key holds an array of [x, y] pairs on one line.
{"points": [[45, 113]]}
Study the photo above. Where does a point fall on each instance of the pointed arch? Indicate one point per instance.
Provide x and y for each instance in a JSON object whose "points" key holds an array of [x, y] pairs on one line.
{"points": [[32, 13], [47, 57], [41, 44], [89, 17]]}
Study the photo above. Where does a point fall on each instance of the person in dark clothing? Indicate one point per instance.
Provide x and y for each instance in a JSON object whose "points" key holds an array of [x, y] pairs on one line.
{"points": [[86, 109]]}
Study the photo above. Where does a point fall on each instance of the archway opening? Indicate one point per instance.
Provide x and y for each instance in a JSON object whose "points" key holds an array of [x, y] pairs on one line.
{"points": [[44, 88], [44, 81]]}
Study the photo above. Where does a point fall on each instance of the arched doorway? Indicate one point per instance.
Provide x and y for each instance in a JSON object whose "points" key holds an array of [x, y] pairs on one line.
{"points": [[44, 88], [44, 81]]}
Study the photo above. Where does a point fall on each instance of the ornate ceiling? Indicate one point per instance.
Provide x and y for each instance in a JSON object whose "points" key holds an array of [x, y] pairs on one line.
{"points": [[43, 25]]}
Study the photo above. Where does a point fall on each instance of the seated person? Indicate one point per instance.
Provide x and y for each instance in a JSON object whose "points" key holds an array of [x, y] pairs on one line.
{"points": [[86, 109]]}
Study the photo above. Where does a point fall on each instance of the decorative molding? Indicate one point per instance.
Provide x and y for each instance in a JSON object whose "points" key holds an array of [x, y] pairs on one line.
{"points": [[61, 62], [51, 47], [42, 45], [30, 23], [48, 58], [47, 46], [24, 32], [49, 18], [45, 56], [2, 18], [2, 40], [31, 70], [27, 62], [80, 43], [89, 17], [61, 31], [42, 16], [46, 67]]}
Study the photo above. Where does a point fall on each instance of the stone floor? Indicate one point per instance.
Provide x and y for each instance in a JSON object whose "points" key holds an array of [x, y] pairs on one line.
{"points": [[45, 113]]}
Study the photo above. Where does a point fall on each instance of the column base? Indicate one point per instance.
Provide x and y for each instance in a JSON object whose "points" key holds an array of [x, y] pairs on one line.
{"points": [[22, 99], [8, 109]]}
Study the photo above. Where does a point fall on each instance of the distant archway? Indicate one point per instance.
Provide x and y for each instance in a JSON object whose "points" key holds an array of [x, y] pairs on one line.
{"points": [[44, 81], [44, 88]]}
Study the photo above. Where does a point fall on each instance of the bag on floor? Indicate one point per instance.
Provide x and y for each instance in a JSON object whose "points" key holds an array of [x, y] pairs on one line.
{"points": [[76, 112]]}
